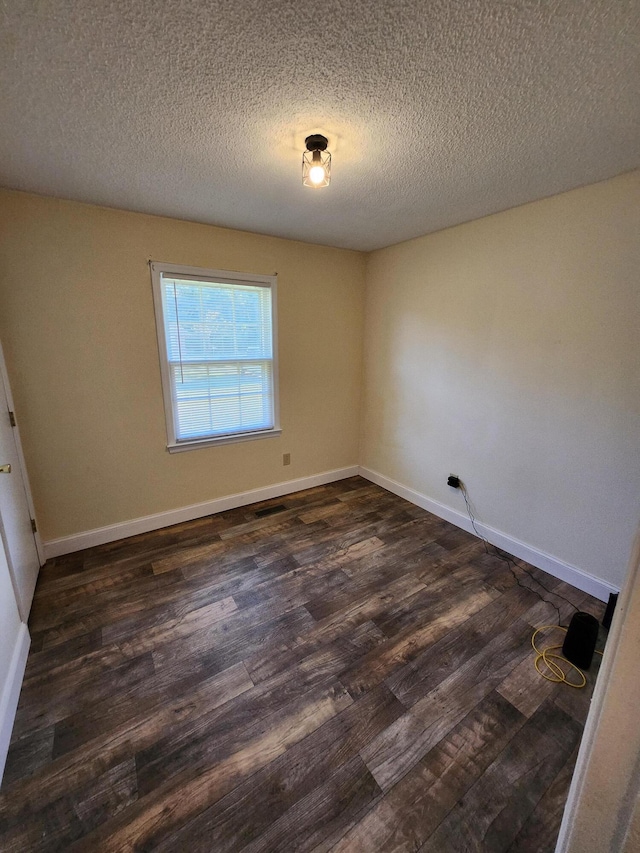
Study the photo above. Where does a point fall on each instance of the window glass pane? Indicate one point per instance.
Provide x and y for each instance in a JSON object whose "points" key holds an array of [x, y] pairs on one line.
{"points": [[222, 399], [216, 321], [219, 348]]}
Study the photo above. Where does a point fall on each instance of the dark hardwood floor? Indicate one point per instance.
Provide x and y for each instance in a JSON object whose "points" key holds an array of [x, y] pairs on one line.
{"points": [[333, 670]]}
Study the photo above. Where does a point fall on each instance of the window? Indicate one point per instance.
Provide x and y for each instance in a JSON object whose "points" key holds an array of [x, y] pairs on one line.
{"points": [[216, 336]]}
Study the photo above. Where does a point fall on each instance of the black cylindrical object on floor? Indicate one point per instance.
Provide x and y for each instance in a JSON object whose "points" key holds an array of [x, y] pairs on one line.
{"points": [[580, 642]]}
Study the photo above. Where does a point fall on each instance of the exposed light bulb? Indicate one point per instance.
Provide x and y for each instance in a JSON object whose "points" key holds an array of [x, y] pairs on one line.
{"points": [[316, 162], [316, 174]]}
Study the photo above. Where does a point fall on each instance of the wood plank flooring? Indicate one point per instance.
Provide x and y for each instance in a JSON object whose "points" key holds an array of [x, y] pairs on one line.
{"points": [[336, 670]]}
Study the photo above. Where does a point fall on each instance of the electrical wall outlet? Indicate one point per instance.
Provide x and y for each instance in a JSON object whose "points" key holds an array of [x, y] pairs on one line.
{"points": [[286, 459]]}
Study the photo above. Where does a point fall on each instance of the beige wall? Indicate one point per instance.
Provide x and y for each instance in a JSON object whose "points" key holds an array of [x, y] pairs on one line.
{"points": [[507, 351], [78, 329], [504, 350]]}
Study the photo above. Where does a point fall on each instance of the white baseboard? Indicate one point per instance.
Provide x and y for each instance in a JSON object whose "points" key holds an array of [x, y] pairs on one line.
{"points": [[552, 565], [102, 535], [11, 691], [564, 571]]}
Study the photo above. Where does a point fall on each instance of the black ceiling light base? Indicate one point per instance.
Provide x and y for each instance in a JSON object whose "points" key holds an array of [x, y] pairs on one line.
{"points": [[316, 142]]}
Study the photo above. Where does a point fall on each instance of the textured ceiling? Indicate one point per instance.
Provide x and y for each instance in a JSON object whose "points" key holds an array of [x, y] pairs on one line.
{"points": [[436, 112]]}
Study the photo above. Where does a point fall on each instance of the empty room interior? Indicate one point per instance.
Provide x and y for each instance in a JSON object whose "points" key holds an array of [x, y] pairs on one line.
{"points": [[320, 440]]}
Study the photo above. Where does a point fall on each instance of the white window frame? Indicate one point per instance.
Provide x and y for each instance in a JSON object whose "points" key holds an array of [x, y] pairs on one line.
{"points": [[175, 445]]}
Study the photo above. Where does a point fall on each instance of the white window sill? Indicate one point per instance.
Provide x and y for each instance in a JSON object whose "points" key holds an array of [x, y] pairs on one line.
{"points": [[178, 447]]}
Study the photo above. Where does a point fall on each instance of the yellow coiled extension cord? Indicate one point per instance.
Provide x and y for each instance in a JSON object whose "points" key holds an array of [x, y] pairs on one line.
{"points": [[548, 657]]}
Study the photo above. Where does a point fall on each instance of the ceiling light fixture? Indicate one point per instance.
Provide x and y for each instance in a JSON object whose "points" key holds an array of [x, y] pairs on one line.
{"points": [[316, 162]]}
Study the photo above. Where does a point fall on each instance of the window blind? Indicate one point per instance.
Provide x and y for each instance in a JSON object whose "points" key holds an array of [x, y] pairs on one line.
{"points": [[219, 343]]}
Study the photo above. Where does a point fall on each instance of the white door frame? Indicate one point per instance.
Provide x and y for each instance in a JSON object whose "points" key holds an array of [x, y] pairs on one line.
{"points": [[605, 786], [4, 377]]}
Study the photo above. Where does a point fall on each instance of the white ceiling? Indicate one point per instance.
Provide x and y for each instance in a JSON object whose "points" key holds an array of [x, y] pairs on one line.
{"points": [[437, 112]]}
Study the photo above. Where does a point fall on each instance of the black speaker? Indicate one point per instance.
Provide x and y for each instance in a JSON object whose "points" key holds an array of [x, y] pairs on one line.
{"points": [[580, 642]]}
